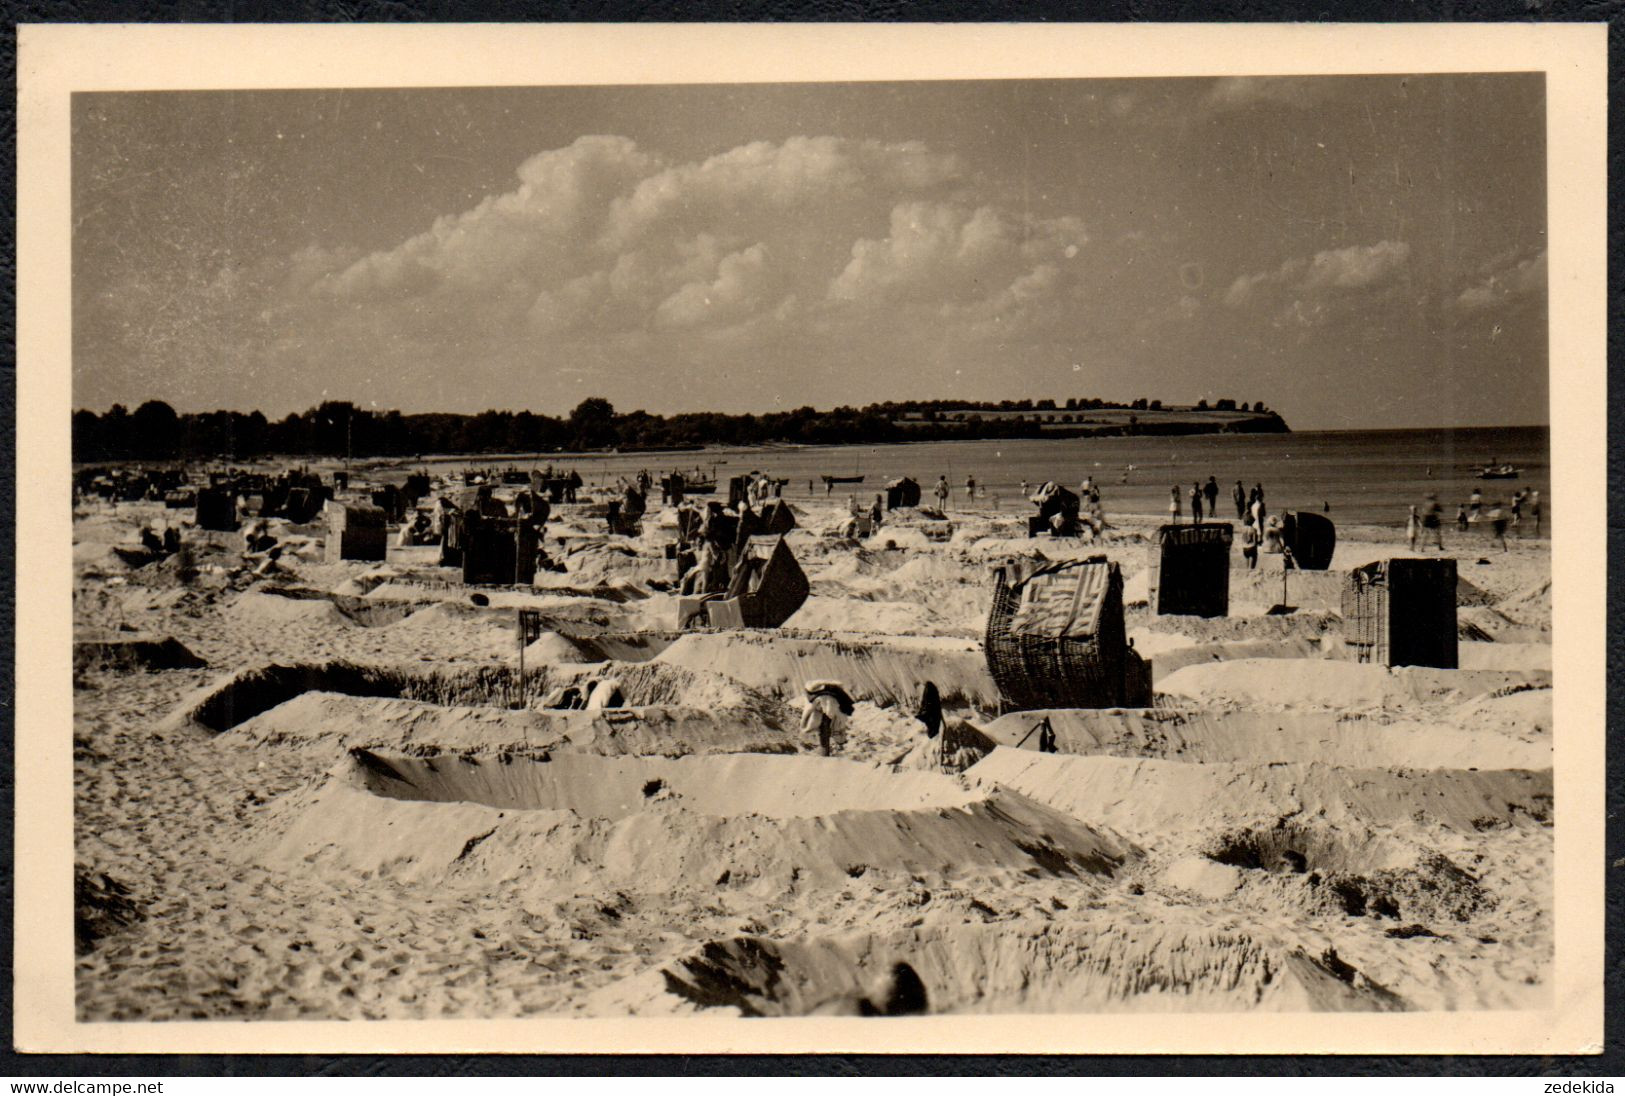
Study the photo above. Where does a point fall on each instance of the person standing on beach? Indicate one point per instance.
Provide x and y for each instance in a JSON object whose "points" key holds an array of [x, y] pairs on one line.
{"points": [[1196, 504], [970, 489], [1461, 517], [1431, 521], [1173, 506], [1240, 497], [1534, 510], [1249, 545], [1475, 505], [1498, 525], [929, 711], [1210, 491], [1413, 525], [942, 493]]}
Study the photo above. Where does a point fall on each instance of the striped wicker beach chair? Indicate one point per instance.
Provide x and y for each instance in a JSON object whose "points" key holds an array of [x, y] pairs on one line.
{"points": [[1055, 636]]}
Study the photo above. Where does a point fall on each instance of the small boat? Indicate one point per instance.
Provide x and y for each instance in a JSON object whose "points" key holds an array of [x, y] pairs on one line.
{"points": [[842, 479], [1498, 471]]}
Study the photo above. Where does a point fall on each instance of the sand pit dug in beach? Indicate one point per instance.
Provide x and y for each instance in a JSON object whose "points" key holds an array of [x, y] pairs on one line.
{"points": [[1336, 685], [332, 721], [1511, 732], [883, 671], [1322, 871], [263, 607], [1311, 624], [615, 788], [999, 968], [1504, 656], [928, 617], [1171, 658], [641, 824], [1151, 801], [255, 610], [572, 648], [224, 704]]}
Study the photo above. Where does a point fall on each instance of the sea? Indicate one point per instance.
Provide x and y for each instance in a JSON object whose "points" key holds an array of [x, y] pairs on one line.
{"points": [[1369, 477]]}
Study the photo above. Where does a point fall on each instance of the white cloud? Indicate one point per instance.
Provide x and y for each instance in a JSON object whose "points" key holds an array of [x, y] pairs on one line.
{"points": [[742, 283], [978, 263], [602, 239], [1308, 287], [1510, 279]]}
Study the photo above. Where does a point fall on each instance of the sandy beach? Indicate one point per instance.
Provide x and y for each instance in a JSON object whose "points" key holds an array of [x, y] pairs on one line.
{"points": [[339, 815]]}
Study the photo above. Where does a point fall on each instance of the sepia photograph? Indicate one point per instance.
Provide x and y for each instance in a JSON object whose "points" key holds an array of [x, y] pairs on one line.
{"points": [[1055, 546]]}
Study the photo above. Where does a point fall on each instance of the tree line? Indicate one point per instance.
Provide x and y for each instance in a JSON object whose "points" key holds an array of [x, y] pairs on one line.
{"points": [[156, 432]]}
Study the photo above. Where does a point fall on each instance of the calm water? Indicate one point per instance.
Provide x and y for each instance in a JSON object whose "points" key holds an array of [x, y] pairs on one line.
{"points": [[1365, 476]]}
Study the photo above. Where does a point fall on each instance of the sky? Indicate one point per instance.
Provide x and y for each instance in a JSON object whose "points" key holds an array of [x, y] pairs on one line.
{"points": [[1356, 252]]}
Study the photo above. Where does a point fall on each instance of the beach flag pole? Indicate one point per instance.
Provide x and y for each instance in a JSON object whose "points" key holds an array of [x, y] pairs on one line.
{"points": [[529, 629]]}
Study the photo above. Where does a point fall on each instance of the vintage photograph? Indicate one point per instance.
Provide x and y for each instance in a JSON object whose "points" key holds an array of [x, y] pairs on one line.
{"points": [[813, 549]]}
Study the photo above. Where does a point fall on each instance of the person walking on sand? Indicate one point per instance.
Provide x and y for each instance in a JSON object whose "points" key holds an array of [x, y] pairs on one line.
{"points": [[828, 709], [1534, 510], [1196, 504], [1210, 491], [1432, 523], [1413, 526], [1240, 497], [942, 493], [1249, 544], [1498, 525], [1173, 506]]}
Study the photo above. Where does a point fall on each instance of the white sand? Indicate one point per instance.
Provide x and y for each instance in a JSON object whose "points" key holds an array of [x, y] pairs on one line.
{"points": [[665, 858]]}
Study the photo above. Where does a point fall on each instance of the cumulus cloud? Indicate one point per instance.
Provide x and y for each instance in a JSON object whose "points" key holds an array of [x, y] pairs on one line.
{"points": [[1307, 287], [602, 238], [979, 264], [742, 283], [1511, 278]]}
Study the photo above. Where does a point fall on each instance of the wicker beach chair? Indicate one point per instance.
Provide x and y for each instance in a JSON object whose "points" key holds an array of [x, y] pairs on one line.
{"points": [[1190, 570], [355, 531], [1055, 636], [1402, 612]]}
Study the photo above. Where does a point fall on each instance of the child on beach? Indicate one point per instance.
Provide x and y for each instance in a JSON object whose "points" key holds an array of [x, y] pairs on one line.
{"points": [[1173, 506], [1412, 527]]}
